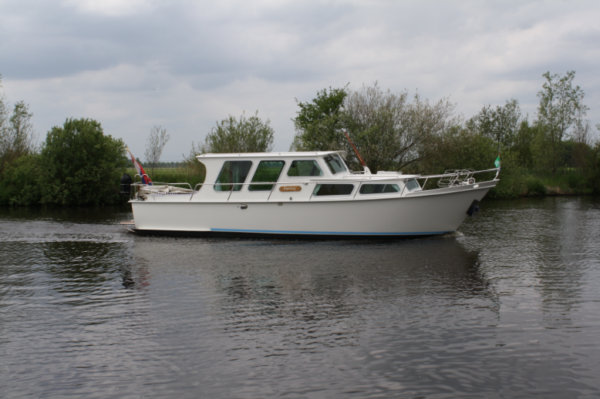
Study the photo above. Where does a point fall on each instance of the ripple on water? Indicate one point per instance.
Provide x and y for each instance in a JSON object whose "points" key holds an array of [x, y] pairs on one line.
{"points": [[506, 308]]}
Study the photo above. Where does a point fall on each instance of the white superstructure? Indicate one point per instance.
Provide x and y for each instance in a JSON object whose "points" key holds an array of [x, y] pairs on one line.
{"points": [[305, 194]]}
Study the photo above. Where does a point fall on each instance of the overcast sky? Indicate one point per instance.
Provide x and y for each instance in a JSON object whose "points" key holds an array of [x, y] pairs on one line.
{"points": [[133, 64]]}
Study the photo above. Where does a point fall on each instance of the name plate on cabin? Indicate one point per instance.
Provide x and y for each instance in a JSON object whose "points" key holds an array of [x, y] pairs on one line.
{"points": [[285, 189]]}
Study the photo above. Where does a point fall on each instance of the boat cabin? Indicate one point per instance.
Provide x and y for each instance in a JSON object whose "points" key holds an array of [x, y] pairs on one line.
{"points": [[294, 176]]}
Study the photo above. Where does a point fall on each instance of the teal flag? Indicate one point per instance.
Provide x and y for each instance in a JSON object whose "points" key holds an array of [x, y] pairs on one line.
{"points": [[497, 163]]}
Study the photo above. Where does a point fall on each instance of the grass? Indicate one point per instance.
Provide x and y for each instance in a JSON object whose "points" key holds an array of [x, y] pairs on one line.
{"points": [[530, 183]]}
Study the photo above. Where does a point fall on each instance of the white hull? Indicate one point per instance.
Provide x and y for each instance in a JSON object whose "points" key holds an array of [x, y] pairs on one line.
{"points": [[429, 212]]}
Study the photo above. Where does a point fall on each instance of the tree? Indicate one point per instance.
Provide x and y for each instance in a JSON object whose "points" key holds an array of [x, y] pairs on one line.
{"points": [[154, 146], [522, 143], [390, 131], [17, 137], [20, 183], [319, 123], [560, 109], [387, 128], [80, 165], [378, 122], [501, 124], [239, 136]]}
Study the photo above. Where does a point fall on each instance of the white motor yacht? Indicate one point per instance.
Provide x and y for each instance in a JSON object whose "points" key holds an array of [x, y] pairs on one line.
{"points": [[306, 194]]}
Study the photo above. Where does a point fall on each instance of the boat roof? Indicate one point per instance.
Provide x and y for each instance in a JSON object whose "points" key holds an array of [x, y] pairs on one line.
{"points": [[297, 154]]}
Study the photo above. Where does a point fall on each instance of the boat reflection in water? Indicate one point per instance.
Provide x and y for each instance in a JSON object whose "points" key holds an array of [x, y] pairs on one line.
{"points": [[309, 295]]}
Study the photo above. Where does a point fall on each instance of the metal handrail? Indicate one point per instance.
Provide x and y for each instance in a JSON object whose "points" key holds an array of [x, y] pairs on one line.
{"points": [[318, 181], [460, 172]]}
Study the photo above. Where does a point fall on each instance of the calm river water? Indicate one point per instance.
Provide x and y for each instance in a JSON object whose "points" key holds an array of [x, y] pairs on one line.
{"points": [[509, 307]]}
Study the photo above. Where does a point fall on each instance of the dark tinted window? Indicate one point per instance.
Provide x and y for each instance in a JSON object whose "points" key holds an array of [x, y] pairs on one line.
{"points": [[267, 171], [379, 188], [335, 163], [304, 168], [333, 189], [233, 172]]}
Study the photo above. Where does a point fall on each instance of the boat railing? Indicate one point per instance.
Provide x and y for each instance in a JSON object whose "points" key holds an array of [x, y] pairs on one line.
{"points": [[155, 187], [157, 183], [456, 177], [451, 178]]}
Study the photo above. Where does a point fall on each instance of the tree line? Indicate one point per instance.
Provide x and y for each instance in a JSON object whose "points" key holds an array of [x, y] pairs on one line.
{"points": [[555, 151]]}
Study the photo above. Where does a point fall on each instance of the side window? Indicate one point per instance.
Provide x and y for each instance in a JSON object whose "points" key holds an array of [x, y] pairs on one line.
{"points": [[304, 168], [233, 172], [379, 188], [267, 171], [333, 189], [334, 163], [412, 184]]}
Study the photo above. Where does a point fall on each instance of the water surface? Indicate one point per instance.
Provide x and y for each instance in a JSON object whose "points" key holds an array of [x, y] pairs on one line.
{"points": [[509, 307]]}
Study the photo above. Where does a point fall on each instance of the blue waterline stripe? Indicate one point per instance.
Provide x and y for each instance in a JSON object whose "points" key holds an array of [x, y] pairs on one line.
{"points": [[328, 232]]}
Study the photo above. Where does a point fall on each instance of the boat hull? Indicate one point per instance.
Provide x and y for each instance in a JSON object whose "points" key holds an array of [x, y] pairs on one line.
{"points": [[431, 212]]}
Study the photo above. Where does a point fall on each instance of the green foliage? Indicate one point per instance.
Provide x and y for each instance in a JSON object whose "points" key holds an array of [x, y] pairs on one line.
{"points": [[80, 165], [20, 181], [501, 124], [522, 144], [319, 122], [389, 131], [560, 109], [235, 136], [535, 187], [459, 148], [17, 137], [593, 170]]}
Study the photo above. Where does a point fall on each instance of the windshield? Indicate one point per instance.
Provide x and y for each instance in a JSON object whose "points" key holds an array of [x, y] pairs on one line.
{"points": [[335, 163]]}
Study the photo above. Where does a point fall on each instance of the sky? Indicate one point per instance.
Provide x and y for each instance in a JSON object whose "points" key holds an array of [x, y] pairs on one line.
{"points": [[184, 65]]}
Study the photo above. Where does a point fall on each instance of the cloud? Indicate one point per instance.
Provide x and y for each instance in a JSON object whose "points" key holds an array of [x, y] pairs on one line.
{"points": [[134, 63]]}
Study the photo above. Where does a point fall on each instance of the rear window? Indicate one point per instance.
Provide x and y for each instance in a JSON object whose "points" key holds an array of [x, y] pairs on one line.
{"points": [[379, 188], [333, 189], [304, 168]]}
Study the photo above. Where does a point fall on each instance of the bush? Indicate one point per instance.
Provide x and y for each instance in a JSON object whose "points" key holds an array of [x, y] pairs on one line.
{"points": [[19, 185], [80, 165], [535, 187]]}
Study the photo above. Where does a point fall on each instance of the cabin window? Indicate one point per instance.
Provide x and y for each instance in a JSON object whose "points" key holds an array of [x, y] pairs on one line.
{"points": [[379, 188], [412, 185], [333, 189], [335, 164], [233, 172], [304, 168], [267, 171]]}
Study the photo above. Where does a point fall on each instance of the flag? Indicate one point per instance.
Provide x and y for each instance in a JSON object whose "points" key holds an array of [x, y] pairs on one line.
{"points": [[140, 170], [497, 163]]}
